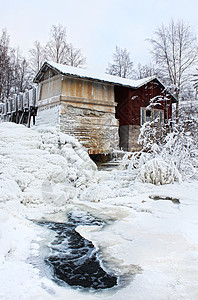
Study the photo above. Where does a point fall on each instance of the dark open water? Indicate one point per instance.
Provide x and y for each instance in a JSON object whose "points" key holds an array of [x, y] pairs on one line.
{"points": [[73, 259]]}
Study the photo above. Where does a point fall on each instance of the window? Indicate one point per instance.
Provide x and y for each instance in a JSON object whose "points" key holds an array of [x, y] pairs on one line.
{"points": [[147, 115]]}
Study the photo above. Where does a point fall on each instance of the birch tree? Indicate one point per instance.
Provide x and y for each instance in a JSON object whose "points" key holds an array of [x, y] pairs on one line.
{"points": [[175, 52], [196, 79], [143, 71], [195, 83], [21, 74]]}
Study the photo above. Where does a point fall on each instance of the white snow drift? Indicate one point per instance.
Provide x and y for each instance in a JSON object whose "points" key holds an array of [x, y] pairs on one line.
{"points": [[150, 241]]}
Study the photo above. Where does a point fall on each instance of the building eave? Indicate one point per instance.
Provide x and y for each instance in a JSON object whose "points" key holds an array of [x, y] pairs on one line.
{"points": [[73, 72]]}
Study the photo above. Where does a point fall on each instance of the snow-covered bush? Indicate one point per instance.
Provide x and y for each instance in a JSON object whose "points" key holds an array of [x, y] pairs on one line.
{"points": [[182, 144], [152, 133], [158, 172], [97, 192], [167, 152]]}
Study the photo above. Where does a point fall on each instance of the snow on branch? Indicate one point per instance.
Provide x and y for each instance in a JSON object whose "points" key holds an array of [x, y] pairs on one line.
{"points": [[169, 152]]}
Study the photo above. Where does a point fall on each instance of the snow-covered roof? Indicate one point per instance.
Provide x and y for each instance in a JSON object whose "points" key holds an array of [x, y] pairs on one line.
{"points": [[84, 73]]}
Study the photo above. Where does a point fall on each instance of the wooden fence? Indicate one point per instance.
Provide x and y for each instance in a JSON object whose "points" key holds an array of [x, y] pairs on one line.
{"points": [[20, 108]]}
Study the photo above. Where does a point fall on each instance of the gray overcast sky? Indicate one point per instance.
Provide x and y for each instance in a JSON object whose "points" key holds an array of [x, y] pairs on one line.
{"points": [[95, 26]]}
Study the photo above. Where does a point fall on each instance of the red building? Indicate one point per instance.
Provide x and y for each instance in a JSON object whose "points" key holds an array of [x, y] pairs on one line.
{"points": [[147, 101]]}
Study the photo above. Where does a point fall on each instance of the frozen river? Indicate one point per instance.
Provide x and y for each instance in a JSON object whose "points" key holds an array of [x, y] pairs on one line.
{"points": [[73, 259]]}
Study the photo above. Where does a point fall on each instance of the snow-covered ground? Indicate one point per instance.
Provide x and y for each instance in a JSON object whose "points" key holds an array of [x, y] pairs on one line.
{"points": [[151, 240]]}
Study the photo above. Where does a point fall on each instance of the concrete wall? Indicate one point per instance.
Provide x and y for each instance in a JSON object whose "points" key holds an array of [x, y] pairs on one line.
{"points": [[48, 115], [134, 131], [128, 137], [96, 130]]}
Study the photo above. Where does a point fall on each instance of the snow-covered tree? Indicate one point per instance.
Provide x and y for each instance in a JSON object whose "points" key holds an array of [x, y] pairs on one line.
{"points": [[5, 66], [196, 78], [15, 75], [36, 57], [143, 71], [22, 78], [56, 48], [74, 57], [196, 83], [59, 50], [175, 50], [168, 154], [122, 65]]}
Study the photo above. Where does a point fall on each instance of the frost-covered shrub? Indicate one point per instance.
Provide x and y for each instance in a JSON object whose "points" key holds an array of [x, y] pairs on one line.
{"points": [[182, 144], [158, 172], [173, 149], [152, 133]]}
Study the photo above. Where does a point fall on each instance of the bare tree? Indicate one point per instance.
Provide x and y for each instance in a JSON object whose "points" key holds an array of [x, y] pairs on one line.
{"points": [[195, 80], [175, 51], [74, 57], [5, 70], [15, 76], [22, 78], [143, 71], [122, 65], [36, 57], [57, 48]]}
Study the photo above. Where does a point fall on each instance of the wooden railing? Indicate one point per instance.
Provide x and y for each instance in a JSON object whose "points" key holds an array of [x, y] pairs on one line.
{"points": [[20, 108]]}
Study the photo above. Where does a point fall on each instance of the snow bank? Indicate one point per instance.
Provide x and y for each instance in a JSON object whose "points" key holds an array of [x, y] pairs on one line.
{"points": [[149, 241], [42, 165]]}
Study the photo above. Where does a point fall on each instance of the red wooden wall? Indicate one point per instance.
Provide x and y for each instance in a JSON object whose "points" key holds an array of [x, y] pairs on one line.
{"points": [[130, 100]]}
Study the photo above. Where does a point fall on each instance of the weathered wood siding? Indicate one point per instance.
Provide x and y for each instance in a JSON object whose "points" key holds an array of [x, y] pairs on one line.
{"points": [[50, 88], [86, 92]]}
